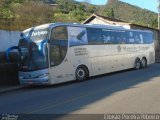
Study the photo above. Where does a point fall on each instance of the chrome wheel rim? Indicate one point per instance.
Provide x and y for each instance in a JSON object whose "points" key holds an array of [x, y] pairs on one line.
{"points": [[137, 64], [143, 63], [80, 73]]}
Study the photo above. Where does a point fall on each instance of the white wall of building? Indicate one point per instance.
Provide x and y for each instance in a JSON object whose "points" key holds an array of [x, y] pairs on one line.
{"points": [[103, 22], [8, 39], [98, 21]]}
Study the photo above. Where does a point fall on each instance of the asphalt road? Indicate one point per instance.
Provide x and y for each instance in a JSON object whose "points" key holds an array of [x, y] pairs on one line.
{"points": [[130, 91]]}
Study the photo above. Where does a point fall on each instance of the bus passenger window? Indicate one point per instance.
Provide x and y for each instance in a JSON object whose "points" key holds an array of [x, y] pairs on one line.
{"points": [[141, 39], [138, 38], [77, 36], [113, 36], [106, 39], [147, 37], [131, 38], [95, 36], [107, 36]]}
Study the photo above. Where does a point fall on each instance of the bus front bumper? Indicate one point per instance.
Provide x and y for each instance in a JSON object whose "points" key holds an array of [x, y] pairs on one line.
{"points": [[34, 81], [39, 77]]}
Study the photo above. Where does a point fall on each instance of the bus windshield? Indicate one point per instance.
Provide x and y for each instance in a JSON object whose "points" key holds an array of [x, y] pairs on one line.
{"points": [[33, 50]]}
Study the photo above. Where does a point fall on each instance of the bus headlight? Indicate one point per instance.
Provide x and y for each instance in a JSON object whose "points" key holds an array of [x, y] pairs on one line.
{"points": [[43, 76]]}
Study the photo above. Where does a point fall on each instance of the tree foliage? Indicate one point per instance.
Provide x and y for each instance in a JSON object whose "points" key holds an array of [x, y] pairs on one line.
{"points": [[130, 13], [21, 14], [109, 12]]}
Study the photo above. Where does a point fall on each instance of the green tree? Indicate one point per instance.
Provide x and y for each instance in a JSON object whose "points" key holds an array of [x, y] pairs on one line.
{"points": [[154, 22], [78, 14], [109, 12], [66, 6], [6, 13], [91, 9]]}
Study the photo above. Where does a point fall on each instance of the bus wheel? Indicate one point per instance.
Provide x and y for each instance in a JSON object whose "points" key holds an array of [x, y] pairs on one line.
{"points": [[81, 73], [137, 64], [143, 63]]}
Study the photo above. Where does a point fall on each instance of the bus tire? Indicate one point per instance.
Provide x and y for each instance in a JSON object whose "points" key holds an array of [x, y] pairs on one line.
{"points": [[137, 64], [81, 73], [143, 62]]}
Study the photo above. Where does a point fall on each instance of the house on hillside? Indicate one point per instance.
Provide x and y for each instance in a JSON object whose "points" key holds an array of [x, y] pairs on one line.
{"points": [[98, 19]]}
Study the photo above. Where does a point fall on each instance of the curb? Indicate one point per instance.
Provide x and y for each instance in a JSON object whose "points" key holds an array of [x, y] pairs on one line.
{"points": [[10, 88]]}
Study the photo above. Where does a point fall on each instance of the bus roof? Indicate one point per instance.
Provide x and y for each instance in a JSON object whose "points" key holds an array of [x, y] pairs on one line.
{"points": [[112, 27]]}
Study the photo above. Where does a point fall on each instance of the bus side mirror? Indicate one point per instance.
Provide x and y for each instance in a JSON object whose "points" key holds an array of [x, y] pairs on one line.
{"points": [[9, 50]]}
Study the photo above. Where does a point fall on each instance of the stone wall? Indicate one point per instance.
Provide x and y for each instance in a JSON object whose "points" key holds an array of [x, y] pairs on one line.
{"points": [[8, 75], [8, 39], [8, 71]]}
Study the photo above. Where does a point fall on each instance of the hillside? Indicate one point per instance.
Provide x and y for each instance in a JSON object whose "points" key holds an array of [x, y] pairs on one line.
{"points": [[21, 14], [130, 13]]}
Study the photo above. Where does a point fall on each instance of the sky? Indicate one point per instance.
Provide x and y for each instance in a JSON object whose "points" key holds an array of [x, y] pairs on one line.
{"points": [[147, 4]]}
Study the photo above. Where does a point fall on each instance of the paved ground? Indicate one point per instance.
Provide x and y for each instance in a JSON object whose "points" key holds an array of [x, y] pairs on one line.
{"points": [[129, 91], [4, 89]]}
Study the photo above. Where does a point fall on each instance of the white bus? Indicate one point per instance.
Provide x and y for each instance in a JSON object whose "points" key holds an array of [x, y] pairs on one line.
{"points": [[61, 52]]}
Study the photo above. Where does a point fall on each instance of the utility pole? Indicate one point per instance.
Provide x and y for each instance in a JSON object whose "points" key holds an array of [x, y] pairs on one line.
{"points": [[158, 14]]}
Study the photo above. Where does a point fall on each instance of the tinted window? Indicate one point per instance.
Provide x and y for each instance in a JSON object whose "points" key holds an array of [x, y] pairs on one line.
{"points": [[113, 36], [136, 37], [58, 45], [95, 36], [59, 33], [130, 38], [77, 36], [148, 37]]}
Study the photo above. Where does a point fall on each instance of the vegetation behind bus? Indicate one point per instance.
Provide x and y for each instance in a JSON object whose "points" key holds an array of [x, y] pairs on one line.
{"points": [[22, 14]]}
